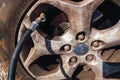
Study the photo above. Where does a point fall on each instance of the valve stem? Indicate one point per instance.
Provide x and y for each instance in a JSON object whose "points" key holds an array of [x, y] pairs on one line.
{"points": [[39, 19]]}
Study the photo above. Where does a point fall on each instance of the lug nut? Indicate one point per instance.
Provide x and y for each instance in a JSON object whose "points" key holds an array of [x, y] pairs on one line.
{"points": [[86, 68], [67, 47], [73, 60], [81, 37], [90, 57], [96, 44]]}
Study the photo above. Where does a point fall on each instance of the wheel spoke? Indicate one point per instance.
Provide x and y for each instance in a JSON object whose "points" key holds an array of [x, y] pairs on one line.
{"points": [[103, 69], [110, 37], [64, 5], [63, 72], [42, 47], [80, 16], [98, 71], [53, 46], [34, 54], [96, 64]]}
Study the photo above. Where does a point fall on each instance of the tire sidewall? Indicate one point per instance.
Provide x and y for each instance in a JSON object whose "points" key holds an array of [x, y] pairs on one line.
{"points": [[12, 13]]}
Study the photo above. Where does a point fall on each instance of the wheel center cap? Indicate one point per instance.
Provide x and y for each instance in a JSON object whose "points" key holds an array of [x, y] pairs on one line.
{"points": [[81, 49]]}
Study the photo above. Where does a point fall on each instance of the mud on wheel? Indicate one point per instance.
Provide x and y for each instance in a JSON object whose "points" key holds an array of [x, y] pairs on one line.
{"points": [[79, 39]]}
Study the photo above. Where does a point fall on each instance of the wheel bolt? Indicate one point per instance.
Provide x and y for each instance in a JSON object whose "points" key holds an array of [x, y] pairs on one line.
{"points": [[67, 47], [73, 60], [81, 37], [90, 57], [86, 68], [96, 44]]}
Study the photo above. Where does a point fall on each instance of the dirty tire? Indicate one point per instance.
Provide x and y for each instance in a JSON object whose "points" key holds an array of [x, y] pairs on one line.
{"points": [[11, 11]]}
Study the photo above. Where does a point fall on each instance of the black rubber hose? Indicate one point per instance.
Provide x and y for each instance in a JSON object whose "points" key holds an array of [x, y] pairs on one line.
{"points": [[15, 57], [24, 38]]}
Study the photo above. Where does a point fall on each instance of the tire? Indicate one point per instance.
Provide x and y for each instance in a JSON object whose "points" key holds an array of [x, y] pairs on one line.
{"points": [[11, 12]]}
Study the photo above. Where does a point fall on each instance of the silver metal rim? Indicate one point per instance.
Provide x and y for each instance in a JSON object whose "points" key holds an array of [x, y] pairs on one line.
{"points": [[79, 32]]}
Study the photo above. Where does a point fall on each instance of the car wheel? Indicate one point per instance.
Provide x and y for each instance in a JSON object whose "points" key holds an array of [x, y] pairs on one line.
{"points": [[78, 41]]}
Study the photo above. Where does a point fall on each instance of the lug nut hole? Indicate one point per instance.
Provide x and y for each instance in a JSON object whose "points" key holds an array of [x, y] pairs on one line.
{"points": [[97, 44], [66, 48], [72, 61], [81, 36], [90, 58]]}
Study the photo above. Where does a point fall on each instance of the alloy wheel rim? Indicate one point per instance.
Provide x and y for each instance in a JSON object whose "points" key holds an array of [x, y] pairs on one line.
{"points": [[42, 44]]}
